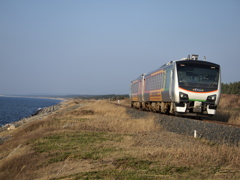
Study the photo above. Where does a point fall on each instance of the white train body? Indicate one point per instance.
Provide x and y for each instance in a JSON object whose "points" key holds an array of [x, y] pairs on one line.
{"points": [[185, 87]]}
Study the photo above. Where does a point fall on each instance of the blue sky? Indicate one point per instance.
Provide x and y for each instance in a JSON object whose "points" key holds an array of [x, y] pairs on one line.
{"points": [[99, 46]]}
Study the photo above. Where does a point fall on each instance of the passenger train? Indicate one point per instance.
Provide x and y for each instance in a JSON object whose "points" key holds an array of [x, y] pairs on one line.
{"points": [[186, 87]]}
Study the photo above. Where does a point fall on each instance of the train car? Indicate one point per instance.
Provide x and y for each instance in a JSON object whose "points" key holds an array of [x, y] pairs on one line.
{"points": [[186, 87]]}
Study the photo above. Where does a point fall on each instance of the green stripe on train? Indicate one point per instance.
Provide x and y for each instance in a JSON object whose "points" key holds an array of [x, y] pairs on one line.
{"points": [[197, 100]]}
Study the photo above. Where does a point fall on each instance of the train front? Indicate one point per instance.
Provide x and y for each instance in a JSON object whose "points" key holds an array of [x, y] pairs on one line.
{"points": [[198, 87]]}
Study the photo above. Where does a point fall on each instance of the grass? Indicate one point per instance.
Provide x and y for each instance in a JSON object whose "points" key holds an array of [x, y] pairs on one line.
{"points": [[229, 109], [131, 171], [75, 145], [99, 140]]}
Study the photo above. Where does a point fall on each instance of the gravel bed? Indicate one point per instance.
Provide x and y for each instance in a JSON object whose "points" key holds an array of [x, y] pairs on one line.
{"points": [[211, 131]]}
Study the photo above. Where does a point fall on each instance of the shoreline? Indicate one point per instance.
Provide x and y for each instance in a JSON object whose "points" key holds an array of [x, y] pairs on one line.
{"points": [[39, 114], [43, 113], [35, 97]]}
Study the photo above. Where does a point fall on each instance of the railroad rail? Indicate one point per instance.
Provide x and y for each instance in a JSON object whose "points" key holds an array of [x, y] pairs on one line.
{"points": [[213, 131], [204, 120]]}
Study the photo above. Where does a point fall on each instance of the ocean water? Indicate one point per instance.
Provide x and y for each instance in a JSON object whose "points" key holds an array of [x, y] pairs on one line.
{"points": [[16, 108]]}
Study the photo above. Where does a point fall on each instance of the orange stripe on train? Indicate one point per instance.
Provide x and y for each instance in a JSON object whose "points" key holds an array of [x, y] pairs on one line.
{"points": [[198, 92]]}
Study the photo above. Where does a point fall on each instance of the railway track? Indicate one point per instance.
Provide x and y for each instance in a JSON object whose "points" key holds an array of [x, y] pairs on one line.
{"points": [[214, 131], [203, 120], [222, 123]]}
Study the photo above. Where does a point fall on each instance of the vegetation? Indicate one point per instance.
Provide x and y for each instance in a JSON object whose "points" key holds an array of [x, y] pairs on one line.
{"points": [[111, 97], [229, 109], [107, 96], [231, 88], [89, 139]]}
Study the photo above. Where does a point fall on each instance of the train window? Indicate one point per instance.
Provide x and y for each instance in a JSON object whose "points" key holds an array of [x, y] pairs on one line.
{"points": [[198, 75], [155, 82], [134, 88], [147, 84], [156, 86], [161, 80], [151, 83]]}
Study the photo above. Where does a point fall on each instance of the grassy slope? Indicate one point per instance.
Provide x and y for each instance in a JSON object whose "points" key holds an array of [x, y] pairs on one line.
{"points": [[99, 140]]}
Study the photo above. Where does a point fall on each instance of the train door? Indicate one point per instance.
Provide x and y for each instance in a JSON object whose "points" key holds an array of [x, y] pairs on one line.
{"points": [[139, 90], [170, 84], [142, 88]]}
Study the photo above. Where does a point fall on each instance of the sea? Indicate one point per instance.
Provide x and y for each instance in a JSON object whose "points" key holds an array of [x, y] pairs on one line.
{"points": [[13, 109]]}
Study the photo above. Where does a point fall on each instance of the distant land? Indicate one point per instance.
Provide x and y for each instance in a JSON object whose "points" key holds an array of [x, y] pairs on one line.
{"points": [[108, 96]]}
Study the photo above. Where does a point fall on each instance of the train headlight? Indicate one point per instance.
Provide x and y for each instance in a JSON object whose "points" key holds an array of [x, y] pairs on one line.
{"points": [[211, 98], [183, 96]]}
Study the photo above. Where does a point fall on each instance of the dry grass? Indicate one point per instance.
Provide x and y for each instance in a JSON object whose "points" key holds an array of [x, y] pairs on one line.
{"points": [[229, 109], [102, 140], [108, 117]]}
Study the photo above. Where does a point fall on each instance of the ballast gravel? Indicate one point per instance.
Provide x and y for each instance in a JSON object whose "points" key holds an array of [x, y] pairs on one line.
{"points": [[200, 129], [217, 133]]}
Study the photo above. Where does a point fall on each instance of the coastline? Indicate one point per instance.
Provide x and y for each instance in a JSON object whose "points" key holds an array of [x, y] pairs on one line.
{"points": [[41, 97], [39, 114], [7, 130]]}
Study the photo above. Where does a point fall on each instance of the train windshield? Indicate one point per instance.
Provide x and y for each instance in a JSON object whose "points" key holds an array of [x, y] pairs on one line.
{"points": [[197, 75]]}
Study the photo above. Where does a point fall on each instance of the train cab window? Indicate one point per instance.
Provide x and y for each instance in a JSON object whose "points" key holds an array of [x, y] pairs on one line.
{"points": [[197, 75]]}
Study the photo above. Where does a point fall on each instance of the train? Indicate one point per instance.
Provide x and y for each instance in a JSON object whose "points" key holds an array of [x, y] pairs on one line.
{"points": [[185, 87]]}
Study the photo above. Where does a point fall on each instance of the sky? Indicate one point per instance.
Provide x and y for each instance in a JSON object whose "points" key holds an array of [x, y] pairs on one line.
{"points": [[61, 47]]}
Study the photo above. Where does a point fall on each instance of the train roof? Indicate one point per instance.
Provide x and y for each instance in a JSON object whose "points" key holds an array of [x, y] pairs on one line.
{"points": [[193, 59], [186, 61]]}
